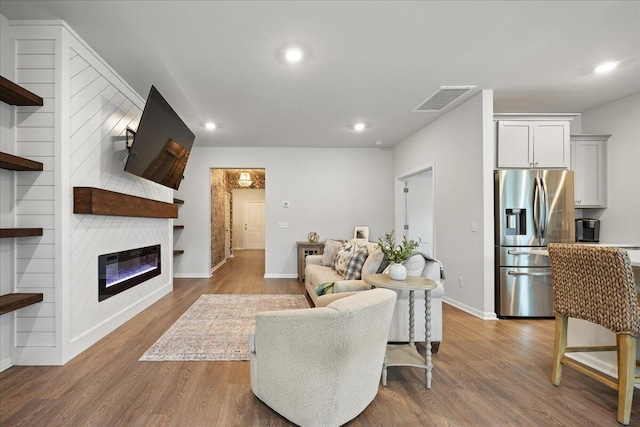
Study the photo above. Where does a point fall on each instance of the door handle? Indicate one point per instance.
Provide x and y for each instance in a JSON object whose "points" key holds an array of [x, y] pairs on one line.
{"points": [[545, 205], [536, 207], [512, 252], [534, 274]]}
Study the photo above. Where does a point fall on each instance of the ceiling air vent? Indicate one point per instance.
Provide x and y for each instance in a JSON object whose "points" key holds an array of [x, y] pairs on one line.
{"points": [[442, 97]]}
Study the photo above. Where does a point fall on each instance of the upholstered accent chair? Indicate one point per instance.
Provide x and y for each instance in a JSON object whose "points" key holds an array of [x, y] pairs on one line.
{"points": [[321, 366], [596, 284]]}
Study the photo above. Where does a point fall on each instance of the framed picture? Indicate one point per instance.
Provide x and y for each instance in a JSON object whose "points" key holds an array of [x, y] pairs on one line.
{"points": [[361, 232]]}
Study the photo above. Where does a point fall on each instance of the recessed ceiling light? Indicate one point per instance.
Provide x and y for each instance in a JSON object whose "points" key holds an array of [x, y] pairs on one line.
{"points": [[359, 127], [210, 125], [378, 143], [294, 55], [606, 67]]}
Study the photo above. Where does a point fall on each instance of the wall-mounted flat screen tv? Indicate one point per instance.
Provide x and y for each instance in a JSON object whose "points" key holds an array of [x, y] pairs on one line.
{"points": [[161, 145]]}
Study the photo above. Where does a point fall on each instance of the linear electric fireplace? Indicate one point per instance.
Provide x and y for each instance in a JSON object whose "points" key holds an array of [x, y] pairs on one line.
{"points": [[120, 271]]}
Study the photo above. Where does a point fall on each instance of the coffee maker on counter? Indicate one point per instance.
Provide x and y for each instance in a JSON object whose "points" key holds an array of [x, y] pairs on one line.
{"points": [[588, 230]]}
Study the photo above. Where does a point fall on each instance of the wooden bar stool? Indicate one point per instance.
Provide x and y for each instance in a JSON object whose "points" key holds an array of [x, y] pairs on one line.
{"points": [[596, 284]]}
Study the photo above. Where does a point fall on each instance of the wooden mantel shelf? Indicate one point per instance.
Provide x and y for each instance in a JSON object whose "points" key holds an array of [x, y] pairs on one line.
{"points": [[96, 201], [11, 302], [15, 163], [14, 94], [19, 232], [178, 252]]}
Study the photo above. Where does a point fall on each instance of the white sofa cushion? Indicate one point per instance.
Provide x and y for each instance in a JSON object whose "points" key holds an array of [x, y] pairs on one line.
{"points": [[318, 274]]}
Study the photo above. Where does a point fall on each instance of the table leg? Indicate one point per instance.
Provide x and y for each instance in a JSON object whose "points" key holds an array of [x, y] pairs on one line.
{"points": [[427, 314], [411, 321], [384, 373]]}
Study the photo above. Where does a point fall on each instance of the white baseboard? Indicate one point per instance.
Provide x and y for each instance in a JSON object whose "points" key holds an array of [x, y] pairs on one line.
{"points": [[598, 365], [36, 356], [192, 276], [86, 340], [477, 313], [5, 364], [280, 276], [220, 264]]}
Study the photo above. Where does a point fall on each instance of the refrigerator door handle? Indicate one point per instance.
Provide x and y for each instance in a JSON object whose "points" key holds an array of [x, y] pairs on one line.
{"points": [[536, 208], [536, 273], [512, 252], [544, 204]]}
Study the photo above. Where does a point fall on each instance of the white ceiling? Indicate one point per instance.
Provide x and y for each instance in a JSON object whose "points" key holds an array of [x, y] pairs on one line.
{"points": [[368, 61]]}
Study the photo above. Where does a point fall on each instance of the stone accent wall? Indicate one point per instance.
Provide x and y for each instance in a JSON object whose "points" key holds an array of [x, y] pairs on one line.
{"points": [[218, 190]]}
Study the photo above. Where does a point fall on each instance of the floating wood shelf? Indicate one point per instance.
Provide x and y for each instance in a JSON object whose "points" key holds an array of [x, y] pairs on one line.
{"points": [[11, 302], [20, 232], [178, 201], [14, 94], [178, 252], [96, 201], [178, 227], [15, 163]]}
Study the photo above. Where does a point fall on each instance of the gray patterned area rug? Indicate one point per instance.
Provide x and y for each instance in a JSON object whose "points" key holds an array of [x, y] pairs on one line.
{"points": [[216, 327]]}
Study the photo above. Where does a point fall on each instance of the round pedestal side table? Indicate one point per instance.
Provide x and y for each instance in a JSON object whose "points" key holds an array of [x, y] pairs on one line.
{"points": [[401, 354]]}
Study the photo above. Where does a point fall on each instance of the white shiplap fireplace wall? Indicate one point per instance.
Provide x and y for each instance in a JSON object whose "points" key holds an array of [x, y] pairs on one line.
{"points": [[79, 136]]}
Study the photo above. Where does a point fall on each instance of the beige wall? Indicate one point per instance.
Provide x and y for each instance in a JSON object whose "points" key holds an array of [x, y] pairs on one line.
{"points": [[330, 190], [459, 147]]}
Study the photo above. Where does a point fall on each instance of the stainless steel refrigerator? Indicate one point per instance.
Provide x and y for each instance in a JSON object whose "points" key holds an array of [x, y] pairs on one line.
{"points": [[533, 207]]}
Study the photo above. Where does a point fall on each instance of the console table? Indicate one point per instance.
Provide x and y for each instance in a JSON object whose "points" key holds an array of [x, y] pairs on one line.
{"points": [[307, 248], [407, 354]]}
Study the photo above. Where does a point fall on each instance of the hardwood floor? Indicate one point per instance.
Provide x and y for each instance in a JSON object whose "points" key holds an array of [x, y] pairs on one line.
{"points": [[486, 373]]}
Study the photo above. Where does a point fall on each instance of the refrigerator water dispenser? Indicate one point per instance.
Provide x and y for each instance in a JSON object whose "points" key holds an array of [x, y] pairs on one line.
{"points": [[516, 221]]}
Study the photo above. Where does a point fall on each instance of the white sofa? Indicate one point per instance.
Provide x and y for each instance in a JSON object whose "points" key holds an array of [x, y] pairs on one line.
{"points": [[321, 366], [316, 273]]}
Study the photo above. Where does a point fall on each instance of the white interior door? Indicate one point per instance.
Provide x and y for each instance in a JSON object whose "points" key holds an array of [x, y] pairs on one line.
{"points": [[253, 225], [419, 209]]}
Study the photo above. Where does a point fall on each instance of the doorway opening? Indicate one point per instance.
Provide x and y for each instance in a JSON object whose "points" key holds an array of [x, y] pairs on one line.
{"points": [[419, 207], [237, 212]]}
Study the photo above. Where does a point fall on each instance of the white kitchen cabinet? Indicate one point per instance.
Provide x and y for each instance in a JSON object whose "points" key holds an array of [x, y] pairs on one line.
{"points": [[589, 165], [533, 144]]}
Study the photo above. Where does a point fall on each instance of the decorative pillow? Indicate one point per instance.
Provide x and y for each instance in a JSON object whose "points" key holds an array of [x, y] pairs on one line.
{"points": [[383, 266], [342, 247], [353, 271], [415, 265], [370, 245], [330, 249], [373, 262], [342, 258]]}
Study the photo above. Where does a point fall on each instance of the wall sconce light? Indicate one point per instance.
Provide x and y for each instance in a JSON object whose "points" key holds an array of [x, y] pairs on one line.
{"points": [[245, 179]]}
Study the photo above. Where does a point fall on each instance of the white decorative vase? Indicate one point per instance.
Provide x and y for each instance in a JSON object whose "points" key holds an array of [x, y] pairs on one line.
{"points": [[397, 271]]}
